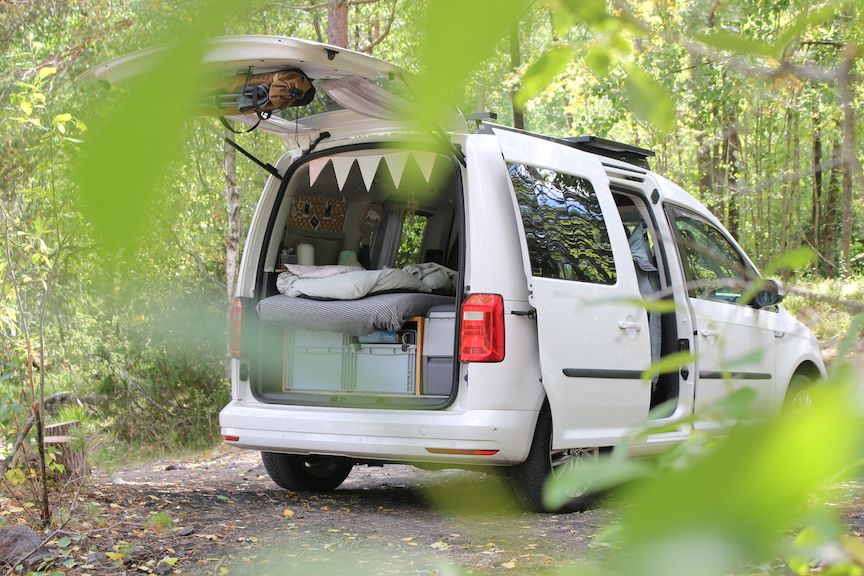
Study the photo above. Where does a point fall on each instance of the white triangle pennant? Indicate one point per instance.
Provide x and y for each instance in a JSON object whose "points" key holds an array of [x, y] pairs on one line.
{"points": [[342, 166], [426, 162], [368, 168], [315, 168], [396, 165]]}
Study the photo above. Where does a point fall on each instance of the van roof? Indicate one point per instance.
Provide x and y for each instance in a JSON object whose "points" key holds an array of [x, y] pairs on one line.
{"points": [[592, 144]]}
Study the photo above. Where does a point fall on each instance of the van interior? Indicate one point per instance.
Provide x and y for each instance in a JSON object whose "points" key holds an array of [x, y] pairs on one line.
{"points": [[369, 240], [653, 277]]}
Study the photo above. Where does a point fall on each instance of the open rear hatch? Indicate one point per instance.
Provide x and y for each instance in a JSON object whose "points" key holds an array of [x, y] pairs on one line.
{"points": [[249, 70]]}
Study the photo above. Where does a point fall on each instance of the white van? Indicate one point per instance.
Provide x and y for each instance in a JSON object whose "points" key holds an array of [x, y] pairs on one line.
{"points": [[473, 298]]}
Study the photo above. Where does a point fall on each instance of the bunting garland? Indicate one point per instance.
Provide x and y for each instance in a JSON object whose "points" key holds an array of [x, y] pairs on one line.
{"points": [[369, 164]]}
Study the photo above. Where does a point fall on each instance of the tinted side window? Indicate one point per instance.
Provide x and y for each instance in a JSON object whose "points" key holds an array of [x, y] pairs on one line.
{"points": [[714, 268], [564, 227]]}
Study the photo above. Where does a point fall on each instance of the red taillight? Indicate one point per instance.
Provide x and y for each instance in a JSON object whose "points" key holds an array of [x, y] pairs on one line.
{"points": [[482, 334], [235, 328]]}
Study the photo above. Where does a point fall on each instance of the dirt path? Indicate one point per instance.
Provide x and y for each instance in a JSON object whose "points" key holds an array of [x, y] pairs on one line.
{"points": [[229, 518]]}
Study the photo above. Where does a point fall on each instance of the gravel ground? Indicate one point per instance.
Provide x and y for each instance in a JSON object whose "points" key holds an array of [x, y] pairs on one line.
{"points": [[382, 520]]}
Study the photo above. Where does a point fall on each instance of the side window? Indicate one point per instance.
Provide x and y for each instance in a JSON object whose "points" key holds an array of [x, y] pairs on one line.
{"points": [[564, 226], [413, 231], [714, 268]]}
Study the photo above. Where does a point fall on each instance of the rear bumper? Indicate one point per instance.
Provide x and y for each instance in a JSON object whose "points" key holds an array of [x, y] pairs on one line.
{"points": [[392, 435]]}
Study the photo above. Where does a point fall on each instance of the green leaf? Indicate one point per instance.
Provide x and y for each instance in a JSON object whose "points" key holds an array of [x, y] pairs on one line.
{"points": [[734, 42], [730, 506], [3, 521], [125, 160], [61, 118], [591, 474], [649, 304], [542, 71], [800, 23], [15, 476], [46, 72], [792, 260], [735, 406], [64, 542], [649, 100], [669, 363], [457, 37], [588, 11], [26, 107], [599, 59]]}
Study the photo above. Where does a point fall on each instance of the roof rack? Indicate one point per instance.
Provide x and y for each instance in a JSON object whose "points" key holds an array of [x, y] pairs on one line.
{"points": [[600, 146]]}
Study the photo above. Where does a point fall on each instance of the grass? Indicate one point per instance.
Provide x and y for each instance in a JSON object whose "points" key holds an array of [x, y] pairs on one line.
{"points": [[827, 320]]}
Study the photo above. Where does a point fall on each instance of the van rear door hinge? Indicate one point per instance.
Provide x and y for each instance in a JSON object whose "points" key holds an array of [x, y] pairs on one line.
{"points": [[531, 314]]}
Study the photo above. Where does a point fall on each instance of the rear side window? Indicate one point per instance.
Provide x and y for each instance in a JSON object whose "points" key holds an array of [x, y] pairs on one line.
{"points": [[564, 226]]}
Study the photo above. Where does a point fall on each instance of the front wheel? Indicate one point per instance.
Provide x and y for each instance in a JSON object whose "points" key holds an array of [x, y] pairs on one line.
{"points": [[306, 473], [528, 479], [798, 394]]}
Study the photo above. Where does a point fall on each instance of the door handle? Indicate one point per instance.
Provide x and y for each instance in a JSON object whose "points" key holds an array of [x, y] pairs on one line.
{"points": [[628, 325], [709, 333]]}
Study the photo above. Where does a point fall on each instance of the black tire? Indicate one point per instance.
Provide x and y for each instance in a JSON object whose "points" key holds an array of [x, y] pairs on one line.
{"points": [[529, 478], [306, 473], [798, 393]]}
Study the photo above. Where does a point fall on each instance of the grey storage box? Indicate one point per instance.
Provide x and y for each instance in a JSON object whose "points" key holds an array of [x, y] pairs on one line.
{"points": [[318, 361], [439, 333], [313, 360], [385, 368]]}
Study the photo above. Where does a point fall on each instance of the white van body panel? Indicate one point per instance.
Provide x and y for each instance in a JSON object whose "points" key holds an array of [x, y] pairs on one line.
{"points": [[400, 435], [594, 342], [232, 55]]}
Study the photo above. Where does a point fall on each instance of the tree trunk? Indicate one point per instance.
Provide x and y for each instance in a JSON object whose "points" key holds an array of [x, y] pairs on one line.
{"points": [[851, 163], [786, 196], [232, 199], [816, 209], [515, 62], [829, 216], [337, 22], [795, 200], [846, 219], [731, 164]]}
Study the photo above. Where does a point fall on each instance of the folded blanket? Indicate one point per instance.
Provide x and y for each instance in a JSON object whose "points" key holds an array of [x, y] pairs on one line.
{"points": [[349, 285], [435, 276], [353, 282]]}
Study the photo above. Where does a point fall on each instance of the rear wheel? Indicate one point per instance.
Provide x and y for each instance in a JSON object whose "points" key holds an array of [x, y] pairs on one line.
{"points": [[306, 473], [529, 478]]}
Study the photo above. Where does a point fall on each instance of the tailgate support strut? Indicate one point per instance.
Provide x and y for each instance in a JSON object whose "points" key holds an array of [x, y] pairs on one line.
{"points": [[269, 168]]}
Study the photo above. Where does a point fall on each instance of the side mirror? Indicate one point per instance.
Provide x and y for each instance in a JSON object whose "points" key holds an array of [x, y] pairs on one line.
{"points": [[769, 294]]}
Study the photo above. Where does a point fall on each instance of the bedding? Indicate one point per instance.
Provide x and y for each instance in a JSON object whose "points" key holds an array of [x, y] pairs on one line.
{"points": [[355, 317], [352, 283]]}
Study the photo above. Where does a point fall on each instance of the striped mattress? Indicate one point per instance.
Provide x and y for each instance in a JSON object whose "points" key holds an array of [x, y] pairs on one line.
{"points": [[355, 317]]}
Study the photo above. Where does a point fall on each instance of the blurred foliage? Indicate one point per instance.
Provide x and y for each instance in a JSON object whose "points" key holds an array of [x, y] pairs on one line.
{"points": [[124, 252]]}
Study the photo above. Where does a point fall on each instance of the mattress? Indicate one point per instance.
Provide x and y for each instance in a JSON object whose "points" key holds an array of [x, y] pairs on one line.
{"points": [[355, 317]]}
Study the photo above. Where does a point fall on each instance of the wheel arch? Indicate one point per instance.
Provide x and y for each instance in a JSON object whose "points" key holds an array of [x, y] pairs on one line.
{"points": [[806, 367]]}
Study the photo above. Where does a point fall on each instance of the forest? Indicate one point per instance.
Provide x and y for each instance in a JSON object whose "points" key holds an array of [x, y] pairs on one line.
{"points": [[124, 214]]}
